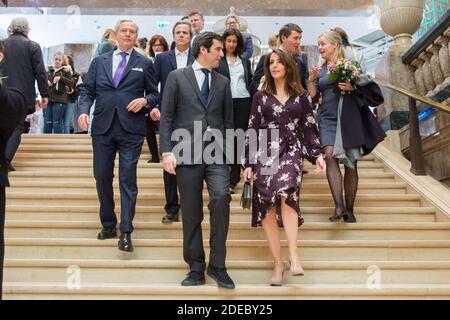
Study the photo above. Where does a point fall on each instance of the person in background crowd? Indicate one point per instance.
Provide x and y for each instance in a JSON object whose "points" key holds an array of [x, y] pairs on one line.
{"points": [[23, 65], [238, 69], [107, 44], [198, 23], [165, 63], [76, 126], [290, 37], [232, 22], [60, 82], [273, 42], [143, 42], [73, 96], [13, 105], [157, 45], [349, 51]]}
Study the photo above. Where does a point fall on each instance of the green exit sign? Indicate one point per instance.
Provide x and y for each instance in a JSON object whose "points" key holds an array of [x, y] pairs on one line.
{"points": [[162, 25]]}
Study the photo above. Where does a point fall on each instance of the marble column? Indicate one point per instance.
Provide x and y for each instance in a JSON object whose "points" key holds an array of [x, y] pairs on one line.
{"points": [[435, 64], [400, 19], [418, 76]]}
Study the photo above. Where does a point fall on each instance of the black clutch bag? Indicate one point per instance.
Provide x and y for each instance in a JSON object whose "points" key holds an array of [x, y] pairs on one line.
{"points": [[246, 199]]}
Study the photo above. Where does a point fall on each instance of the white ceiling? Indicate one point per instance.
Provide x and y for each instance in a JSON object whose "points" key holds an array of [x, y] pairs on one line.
{"points": [[50, 30]]}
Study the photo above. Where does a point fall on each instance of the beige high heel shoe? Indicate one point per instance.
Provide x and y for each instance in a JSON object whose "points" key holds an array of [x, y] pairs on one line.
{"points": [[276, 281], [297, 270]]}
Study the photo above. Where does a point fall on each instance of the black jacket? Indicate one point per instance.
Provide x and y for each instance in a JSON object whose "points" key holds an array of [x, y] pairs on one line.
{"points": [[359, 125], [23, 64], [224, 70], [302, 65], [12, 108]]}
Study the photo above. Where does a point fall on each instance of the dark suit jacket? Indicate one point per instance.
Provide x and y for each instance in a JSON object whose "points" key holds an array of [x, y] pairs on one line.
{"points": [[23, 64], [302, 65], [12, 108], [182, 105], [165, 63], [248, 47], [224, 70], [137, 82]]}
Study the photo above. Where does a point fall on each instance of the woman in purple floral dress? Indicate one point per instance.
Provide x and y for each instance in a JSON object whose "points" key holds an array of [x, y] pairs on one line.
{"points": [[282, 131]]}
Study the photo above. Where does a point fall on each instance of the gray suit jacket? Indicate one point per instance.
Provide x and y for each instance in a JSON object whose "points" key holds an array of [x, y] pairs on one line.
{"points": [[182, 106]]}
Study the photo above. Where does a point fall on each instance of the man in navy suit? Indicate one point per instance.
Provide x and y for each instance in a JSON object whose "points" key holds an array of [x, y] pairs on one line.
{"points": [[165, 63], [122, 84]]}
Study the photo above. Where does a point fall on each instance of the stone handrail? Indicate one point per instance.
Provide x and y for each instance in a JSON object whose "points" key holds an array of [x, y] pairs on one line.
{"points": [[429, 59]]}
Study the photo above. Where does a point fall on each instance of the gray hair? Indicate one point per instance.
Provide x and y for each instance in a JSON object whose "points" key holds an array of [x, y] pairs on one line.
{"points": [[19, 25], [126, 20], [234, 17], [186, 22]]}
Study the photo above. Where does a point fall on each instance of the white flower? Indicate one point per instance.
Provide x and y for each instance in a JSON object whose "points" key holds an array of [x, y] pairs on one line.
{"points": [[291, 126], [272, 125], [277, 110], [275, 145], [264, 99], [259, 109], [311, 120], [297, 100], [284, 177]]}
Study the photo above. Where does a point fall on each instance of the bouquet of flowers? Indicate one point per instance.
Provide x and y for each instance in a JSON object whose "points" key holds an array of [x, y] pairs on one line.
{"points": [[343, 71]]}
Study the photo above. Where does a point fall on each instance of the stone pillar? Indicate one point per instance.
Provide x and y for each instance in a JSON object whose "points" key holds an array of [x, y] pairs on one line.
{"points": [[418, 76], [427, 74], [400, 19], [444, 55], [435, 64]]}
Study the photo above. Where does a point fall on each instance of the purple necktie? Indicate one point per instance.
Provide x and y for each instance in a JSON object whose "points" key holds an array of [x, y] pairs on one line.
{"points": [[120, 69]]}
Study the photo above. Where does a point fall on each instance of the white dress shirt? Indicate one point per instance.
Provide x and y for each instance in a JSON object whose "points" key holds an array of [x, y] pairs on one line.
{"points": [[117, 58], [182, 58], [199, 75], [237, 79]]}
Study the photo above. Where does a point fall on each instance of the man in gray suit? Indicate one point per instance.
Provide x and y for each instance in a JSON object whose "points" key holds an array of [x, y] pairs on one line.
{"points": [[198, 97]]}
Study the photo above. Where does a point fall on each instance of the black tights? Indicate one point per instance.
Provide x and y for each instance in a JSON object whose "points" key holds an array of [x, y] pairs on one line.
{"points": [[334, 177]]}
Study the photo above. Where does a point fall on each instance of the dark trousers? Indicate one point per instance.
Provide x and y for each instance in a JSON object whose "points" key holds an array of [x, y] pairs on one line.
{"points": [[2, 235], [170, 188], [151, 138], [105, 147], [14, 140], [190, 183], [241, 109]]}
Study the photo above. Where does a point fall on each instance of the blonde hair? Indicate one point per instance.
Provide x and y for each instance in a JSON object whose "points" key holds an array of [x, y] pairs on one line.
{"points": [[335, 39]]}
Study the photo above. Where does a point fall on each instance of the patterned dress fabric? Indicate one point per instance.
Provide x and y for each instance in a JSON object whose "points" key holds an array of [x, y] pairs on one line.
{"points": [[285, 134]]}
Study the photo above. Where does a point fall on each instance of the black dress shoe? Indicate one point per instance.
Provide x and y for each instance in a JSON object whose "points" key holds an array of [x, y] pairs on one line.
{"points": [[221, 277], [125, 243], [107, 233], [194, 278], [10, 167], [153, 160], [170, 218]]}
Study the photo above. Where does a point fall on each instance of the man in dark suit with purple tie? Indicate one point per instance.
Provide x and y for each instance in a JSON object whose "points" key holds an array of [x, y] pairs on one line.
{"points": [[122, 84], [165, 63]]}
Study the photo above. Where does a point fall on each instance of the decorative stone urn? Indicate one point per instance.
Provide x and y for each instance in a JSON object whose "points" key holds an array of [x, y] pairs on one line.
{"points": [[401, 18]]}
